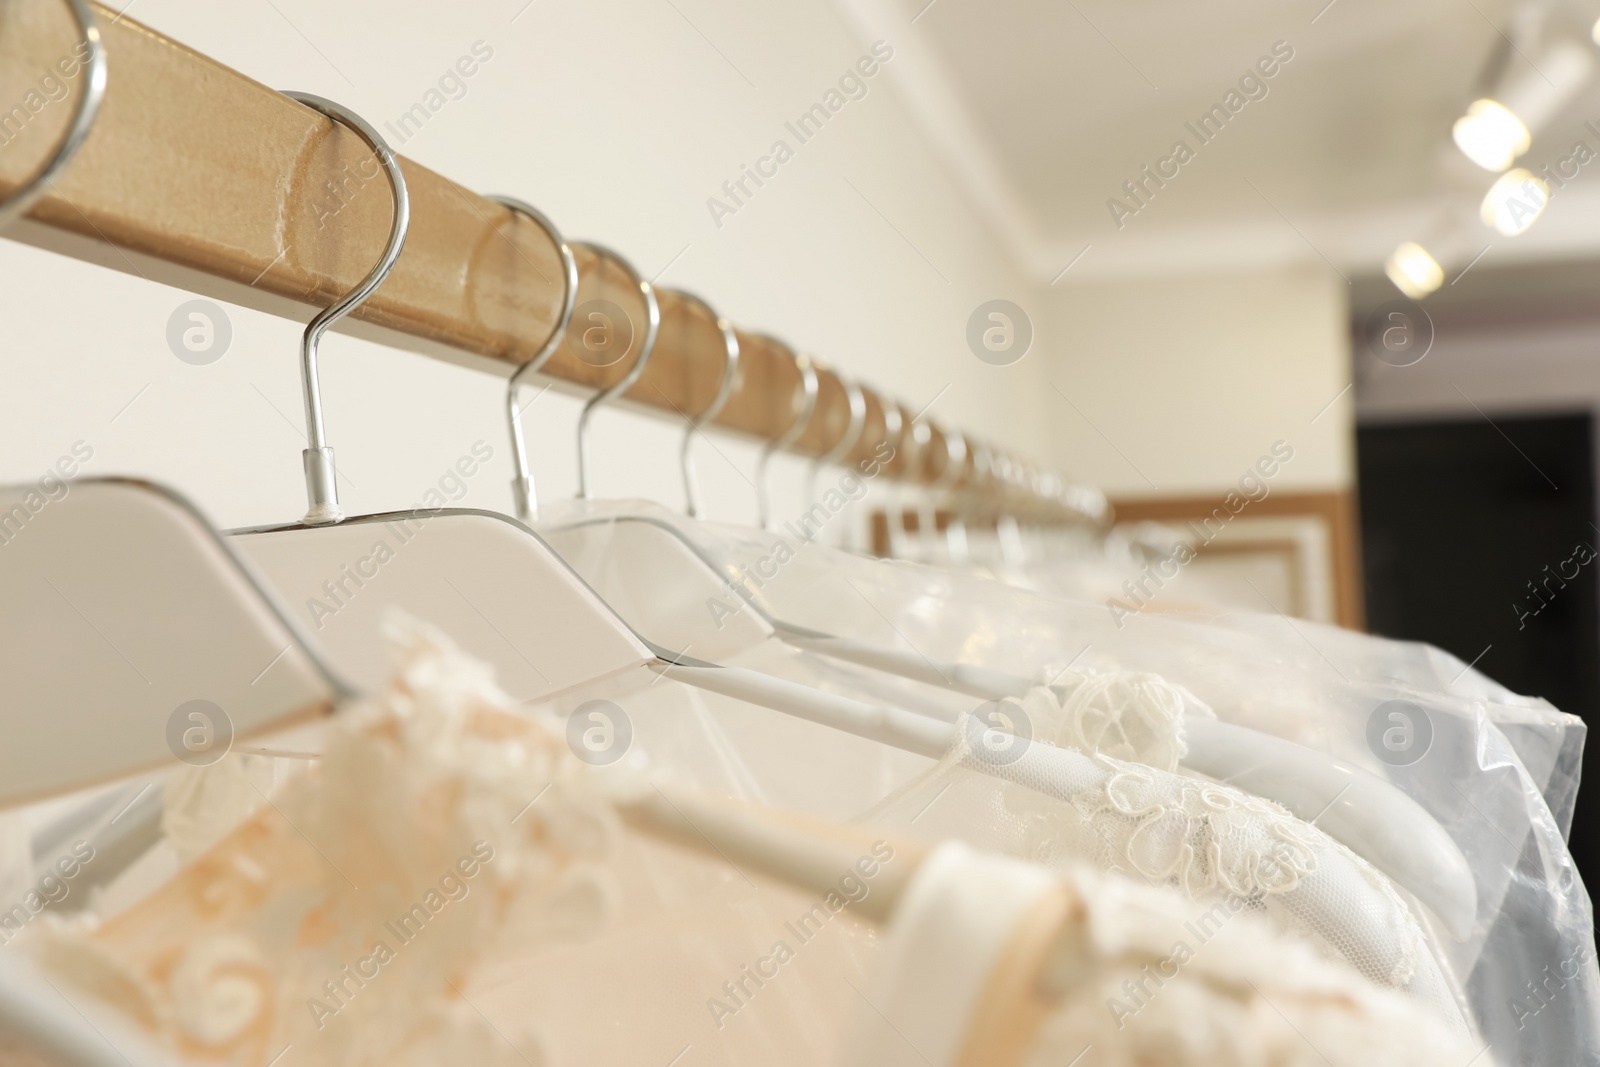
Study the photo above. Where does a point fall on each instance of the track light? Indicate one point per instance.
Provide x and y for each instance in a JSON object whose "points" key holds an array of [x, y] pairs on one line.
{"points": [[1497, 129], [1413, 271], [1490, 135], [1514, 201]]}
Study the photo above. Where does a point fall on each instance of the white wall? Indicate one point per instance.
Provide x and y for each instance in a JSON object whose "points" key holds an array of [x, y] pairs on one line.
{"points": [[1175, 386], [620, 120]]}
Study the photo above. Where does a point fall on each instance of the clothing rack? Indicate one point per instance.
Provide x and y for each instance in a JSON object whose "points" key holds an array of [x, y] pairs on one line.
{"points": [[196, 176]]}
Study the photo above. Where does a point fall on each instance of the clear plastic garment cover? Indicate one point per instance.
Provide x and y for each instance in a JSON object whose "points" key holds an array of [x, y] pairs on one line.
{"points": [[1496, 771]]}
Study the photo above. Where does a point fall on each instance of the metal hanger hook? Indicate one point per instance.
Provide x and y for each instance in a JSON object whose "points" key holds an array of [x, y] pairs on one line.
{"points": [[955, 447], [927, 516], [847, 442], [525, 498], [894, 429], [693, 506], [804, 410], [985, 472], [322, 492], [652, 310], [894, 423], [94, 91]]}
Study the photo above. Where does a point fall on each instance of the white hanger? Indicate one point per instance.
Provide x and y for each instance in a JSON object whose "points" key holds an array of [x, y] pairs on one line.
{"points": [[1372, 817], [1368, 814], [507, 597], [61, 572], [158, 612], [156, 607], [485, 579]]}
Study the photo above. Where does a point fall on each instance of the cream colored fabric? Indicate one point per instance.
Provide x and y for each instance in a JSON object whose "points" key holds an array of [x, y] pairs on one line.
{"points": [[449, 884], [201, 805], [342, 917]]}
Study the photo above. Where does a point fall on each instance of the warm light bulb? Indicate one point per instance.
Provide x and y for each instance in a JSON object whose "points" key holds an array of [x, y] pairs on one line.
{"points": [[1515, 199], [1414, 271], [1595, 33], [1490, 135]]}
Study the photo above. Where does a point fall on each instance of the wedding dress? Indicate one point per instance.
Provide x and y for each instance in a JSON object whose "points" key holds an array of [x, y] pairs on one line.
{"points": [[621, 550], [1118, 974], [445, 854], [1500, 772], [445, 845]]}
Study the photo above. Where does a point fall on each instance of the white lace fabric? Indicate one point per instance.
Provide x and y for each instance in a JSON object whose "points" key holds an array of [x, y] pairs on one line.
{"points": [[1133, 976], [1210, 841], [1061, 806], [1161, 984], [1127, 715], [1516, 759]]}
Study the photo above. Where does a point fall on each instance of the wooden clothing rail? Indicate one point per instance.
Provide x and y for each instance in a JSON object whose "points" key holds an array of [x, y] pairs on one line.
{"points": [[197, 177]]}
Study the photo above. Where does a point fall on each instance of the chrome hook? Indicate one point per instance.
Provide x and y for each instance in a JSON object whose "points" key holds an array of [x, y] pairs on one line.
{"points": [[94, 91], [1016, 479], [653, 314], [847, 442], [322, 492], [985, 473], [524, 497], [730, 368], [894, 425], [927, 514], [955, 447], [807, 408]]}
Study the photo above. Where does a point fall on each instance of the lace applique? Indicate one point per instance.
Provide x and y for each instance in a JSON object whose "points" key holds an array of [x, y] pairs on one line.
{"points": [[1129, 715], [346, 916], [1202, 836], [1210, 840]]}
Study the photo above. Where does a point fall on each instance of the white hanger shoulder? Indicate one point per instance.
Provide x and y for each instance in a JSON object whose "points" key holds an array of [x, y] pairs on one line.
{"points": [[159, 613], [486, 580]]}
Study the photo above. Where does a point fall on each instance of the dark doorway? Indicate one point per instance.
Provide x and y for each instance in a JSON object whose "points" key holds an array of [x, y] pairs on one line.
{"points": [[1471, 533]]}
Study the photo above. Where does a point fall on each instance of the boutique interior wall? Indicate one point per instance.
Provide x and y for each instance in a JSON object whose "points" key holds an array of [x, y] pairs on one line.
{"points": [[1176, 385], [623, 121]]}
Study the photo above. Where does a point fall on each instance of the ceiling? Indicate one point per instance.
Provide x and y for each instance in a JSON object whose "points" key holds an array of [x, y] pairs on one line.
{"points": [[1346, 155]]}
